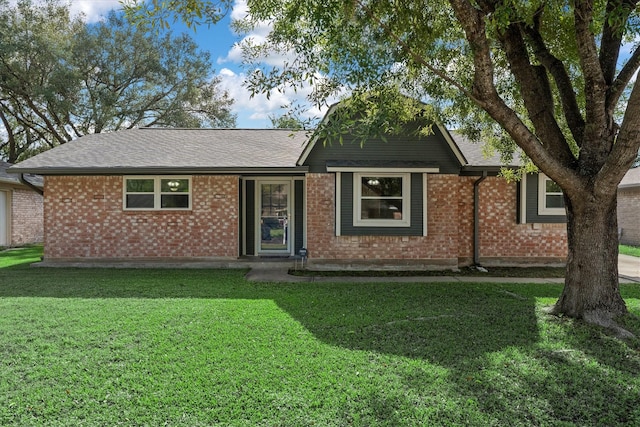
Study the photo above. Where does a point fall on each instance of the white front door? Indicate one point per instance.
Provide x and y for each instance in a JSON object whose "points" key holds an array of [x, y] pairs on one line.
{"points": [[4, 218], [274, 217]]}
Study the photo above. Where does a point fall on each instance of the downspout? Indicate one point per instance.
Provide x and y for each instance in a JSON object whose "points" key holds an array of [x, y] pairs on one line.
{"points": [[476, 218], [30, 185]]}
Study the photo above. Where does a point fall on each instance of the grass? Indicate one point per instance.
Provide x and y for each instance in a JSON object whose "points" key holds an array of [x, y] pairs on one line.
{"points": [[629, 250], [208, 348], [25, 255]]}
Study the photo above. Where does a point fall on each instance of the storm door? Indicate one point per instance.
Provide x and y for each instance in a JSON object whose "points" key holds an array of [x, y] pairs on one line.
{"points": [[274, 217]]}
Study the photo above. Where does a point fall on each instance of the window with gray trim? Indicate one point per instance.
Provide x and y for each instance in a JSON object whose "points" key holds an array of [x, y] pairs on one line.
{"points": [[550, 197], [381, 199]]}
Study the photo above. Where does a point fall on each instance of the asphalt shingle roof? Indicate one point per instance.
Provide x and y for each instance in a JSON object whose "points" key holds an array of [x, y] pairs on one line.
{"points": [[473, 151], [14, 179], [149, 149], [166, 150]]}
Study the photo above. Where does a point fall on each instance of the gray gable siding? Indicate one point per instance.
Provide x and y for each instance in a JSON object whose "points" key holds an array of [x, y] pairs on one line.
{"points": [[346, 211], [432, 149], [532, 204]]}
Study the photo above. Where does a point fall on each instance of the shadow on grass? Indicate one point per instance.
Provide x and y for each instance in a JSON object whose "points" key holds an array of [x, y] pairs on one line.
{"points": [[441, 322], [502, 367]]}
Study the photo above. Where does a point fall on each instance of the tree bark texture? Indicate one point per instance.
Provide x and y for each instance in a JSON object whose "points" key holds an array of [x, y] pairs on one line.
{"points": [[591, 290]]}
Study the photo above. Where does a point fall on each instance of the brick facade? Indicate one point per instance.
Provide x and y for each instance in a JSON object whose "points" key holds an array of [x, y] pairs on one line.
{"points": [[629, 215], [26, 217], [449, 239], [84, 218], [505, 242]]}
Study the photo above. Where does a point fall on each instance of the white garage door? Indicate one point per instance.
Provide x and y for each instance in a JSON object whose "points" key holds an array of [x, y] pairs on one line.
{"points": [[4, 218]]}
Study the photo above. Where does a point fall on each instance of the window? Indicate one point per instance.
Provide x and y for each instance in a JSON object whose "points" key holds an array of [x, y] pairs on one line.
{"points": [[154, 193], [550, 197], [381, 199]]}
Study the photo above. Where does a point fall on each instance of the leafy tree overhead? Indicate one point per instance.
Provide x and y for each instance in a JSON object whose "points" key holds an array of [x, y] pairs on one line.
{"points": [[552, 78], [292, 119], [286, 122], [61, 78]]}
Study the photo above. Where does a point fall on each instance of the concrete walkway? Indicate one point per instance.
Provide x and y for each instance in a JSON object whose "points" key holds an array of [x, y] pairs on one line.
{"points": [[628, 267], [281, 275], [277, 271]]}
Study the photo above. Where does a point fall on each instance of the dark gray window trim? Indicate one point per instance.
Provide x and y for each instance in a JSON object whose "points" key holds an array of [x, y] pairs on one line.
{"points": [[528, 206], [358, 221], [344, 209]]}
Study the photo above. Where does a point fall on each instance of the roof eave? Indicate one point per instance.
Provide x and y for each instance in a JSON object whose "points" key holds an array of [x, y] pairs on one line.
{"points": [[158, 170], [9, 181], [477, 170], [632, 185]]}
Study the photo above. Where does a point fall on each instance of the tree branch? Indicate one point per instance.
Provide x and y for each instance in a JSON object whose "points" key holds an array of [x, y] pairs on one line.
{"points": [[487, 97], [11, 137], [536, 93], [626, 147], [616, 15], [624, 77], [417, 58], [595, 85], [563, 82]]}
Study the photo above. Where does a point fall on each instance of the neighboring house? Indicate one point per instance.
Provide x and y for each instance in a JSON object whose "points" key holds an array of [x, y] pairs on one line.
{"points": [[629, 208], [222, 194], [21, 203]]}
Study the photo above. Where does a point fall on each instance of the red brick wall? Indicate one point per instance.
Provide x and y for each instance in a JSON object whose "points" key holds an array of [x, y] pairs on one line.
{"points": [[629, 215], [440, 245], [465, 219], [503, 240], [84, 218], [26, 217], [450, 227]]}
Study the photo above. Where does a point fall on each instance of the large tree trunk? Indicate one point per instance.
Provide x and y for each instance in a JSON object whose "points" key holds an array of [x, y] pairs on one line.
{"points": [[591, 290]]}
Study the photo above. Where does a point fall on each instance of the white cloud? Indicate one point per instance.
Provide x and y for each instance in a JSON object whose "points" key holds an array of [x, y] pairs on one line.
{"points": [[255, 111], [240, 10], [94, 10], [256, 37]]}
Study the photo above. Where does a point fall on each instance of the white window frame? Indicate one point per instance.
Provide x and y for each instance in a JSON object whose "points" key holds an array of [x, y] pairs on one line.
{"points": [[542, 198], [157, 193], [358, 221]]}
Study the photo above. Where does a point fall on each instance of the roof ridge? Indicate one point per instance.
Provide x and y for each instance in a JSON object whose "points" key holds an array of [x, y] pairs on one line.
{"points": [[218, 129]]}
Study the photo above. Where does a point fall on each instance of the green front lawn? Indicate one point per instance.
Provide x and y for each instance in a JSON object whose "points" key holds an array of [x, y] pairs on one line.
{"points": [[26, 255], [629, 250], [207, 348]]}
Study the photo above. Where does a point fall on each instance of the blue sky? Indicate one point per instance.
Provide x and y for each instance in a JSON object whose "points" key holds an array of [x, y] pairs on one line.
{"points": [[220, 41]]}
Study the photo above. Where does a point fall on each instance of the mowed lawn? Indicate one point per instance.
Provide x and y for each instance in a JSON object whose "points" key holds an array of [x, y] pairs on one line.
{"points": [[131, 347]]}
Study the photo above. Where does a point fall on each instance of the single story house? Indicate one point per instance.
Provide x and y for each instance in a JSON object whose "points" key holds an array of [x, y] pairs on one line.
{"points": [[629, 208], [226, 194], [21, 208]]}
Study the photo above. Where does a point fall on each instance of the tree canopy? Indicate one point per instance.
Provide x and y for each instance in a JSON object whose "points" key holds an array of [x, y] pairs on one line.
{"points": [[556, 79], [61, 78]]}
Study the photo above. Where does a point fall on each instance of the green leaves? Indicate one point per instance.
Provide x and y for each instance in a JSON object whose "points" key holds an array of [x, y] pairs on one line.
{"points": [[61, 78], [160, 14]]}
